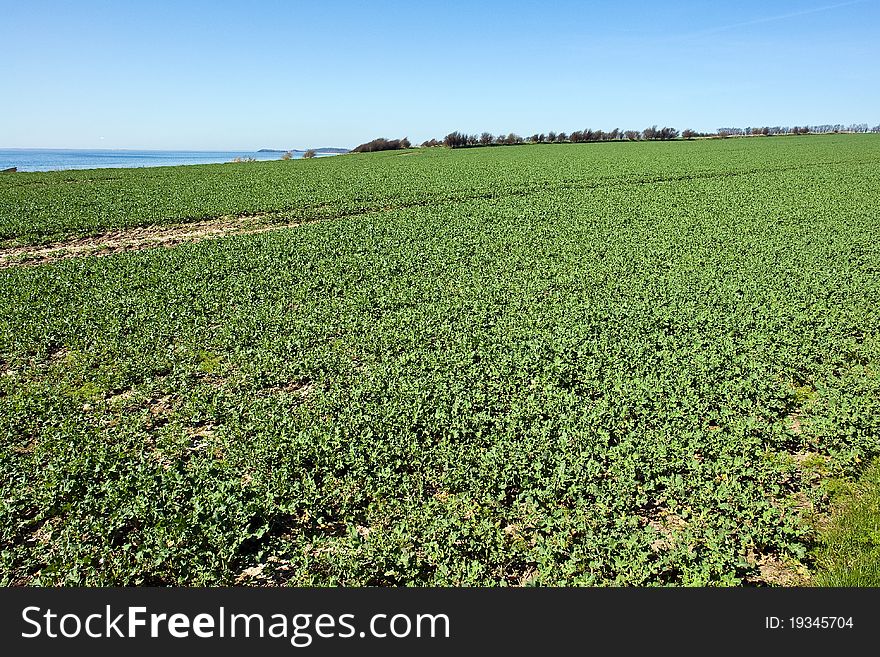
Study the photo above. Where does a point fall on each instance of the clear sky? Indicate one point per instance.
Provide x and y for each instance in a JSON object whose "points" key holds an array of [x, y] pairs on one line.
{"points": [[284, 74]]}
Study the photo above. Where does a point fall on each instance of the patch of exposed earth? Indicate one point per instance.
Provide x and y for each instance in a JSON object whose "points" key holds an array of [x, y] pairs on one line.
{"points": [[135, 239]]}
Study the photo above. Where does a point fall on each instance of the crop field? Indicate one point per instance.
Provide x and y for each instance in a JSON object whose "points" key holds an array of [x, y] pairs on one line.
{"points": [[597, 364]]}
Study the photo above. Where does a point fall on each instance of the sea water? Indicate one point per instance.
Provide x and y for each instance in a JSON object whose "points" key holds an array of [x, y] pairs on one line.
{"points": [[44, 159]]}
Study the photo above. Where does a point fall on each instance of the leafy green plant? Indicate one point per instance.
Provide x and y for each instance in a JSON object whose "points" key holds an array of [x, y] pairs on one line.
{"points": [[534, 366]]}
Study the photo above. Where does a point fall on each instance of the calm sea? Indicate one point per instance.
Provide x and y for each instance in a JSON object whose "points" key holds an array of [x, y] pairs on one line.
{"points": [[43, 159]]}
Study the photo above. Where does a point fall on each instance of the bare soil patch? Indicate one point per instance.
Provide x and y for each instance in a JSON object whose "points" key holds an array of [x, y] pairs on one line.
{"points": [[667, 525], [774, 570], [135, 239]]}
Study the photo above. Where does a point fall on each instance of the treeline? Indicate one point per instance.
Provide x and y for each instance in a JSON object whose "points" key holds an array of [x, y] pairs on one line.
{"points": [[796, 130], [462, 140], [653, 133], [382, 144]]}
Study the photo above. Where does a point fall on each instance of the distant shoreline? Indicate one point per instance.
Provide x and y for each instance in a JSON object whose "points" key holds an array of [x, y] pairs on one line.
{"points": [[326, 149], [46, 159]]}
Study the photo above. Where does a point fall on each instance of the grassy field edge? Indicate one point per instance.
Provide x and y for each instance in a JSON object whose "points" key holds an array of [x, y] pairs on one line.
{"points": [[849, 539]]}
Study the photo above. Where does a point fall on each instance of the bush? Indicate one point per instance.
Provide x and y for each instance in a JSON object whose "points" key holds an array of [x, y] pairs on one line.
{"points": [[309, 154], [382, 144], [663, 133], [455, 140]]}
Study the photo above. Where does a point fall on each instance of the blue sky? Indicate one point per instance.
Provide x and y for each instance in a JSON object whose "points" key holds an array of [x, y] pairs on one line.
{"points": [[236, 75]]}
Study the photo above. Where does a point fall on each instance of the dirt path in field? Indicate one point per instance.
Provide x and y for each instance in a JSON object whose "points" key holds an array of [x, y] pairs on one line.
{"points": [[135, 239]]}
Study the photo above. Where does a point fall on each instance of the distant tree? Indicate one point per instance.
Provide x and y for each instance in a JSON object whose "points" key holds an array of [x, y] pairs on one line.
{"points": [[455, 140], [486, 138], [687, 133], [542, 138], [576, 137], [614, 134], [430, 143], [287, 155], [551, 136], [309, 154], [382, 144], [765, 131], [631, 135], [561, 137]]}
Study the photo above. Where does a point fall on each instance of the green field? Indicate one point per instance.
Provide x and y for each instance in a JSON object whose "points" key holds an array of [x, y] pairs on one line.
{"points": [[617, 363]]}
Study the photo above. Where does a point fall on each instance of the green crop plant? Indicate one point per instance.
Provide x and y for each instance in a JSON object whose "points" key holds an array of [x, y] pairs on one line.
{"points": [[626, 364]]}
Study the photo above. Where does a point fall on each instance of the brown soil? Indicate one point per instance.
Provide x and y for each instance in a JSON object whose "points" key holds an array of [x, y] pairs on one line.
{"points": [[776, 571], [135, 239], [667, 525]]}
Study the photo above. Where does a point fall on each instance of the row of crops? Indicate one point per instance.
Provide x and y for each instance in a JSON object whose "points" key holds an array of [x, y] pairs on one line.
{"points": [[602, 364], [41, 207]]}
